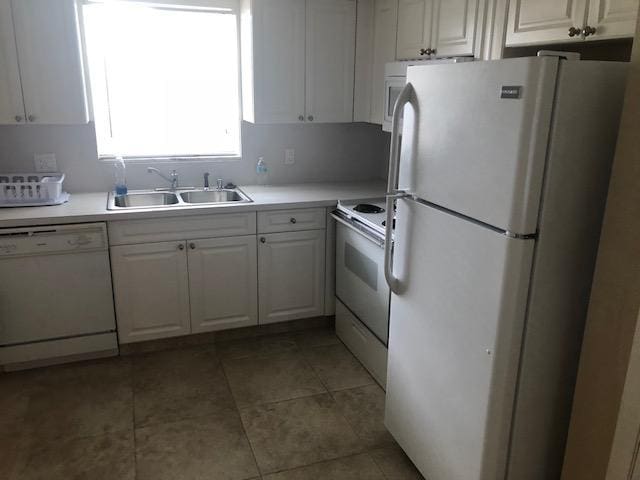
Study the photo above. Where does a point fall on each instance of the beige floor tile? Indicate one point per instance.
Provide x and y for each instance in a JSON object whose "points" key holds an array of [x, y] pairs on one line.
{"points": [[256, 380], [337, 367], [357, 467], [213, 447], [317, 337], [104, 457], [256, 347], [363, 407], [395, 464], [177, 384], [298, 432], [80, 400]]}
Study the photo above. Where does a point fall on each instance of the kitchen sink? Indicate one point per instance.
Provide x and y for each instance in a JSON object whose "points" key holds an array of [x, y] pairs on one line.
{"points": [[179, 198], [213, 196], [143, 199]]}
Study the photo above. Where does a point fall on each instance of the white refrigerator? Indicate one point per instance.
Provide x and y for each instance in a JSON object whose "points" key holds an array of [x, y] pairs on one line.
{"points": [[500, 185]]}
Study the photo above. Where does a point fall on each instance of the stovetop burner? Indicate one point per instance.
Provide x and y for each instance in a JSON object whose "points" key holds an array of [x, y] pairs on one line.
{"points": [[368, 208]]}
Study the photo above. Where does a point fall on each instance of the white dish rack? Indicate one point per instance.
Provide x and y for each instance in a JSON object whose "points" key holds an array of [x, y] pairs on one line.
{"points": [[31, 189]]}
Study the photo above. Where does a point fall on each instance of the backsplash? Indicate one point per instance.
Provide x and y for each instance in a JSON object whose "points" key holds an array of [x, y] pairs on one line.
{"points": [[329, 152]]}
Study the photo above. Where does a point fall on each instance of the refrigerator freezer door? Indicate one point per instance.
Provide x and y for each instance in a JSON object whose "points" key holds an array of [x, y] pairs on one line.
{"points": [[475, 138], [454, 341]]}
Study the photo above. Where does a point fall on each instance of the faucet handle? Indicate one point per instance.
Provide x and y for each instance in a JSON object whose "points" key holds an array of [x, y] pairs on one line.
{"points": [[219, 184]]}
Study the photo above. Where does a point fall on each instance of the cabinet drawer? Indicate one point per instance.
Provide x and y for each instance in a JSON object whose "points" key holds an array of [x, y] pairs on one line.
{"points": [[291, 220], [364, 345], [181, 228]]}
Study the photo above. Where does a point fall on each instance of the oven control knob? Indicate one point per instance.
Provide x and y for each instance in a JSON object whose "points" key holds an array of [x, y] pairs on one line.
{"points": [[292, 220]]}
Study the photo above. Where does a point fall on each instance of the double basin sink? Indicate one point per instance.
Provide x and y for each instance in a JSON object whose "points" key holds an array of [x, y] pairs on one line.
{"points": [[177, 198]]}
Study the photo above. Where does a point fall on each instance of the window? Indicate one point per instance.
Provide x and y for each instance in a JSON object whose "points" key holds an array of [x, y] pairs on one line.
{"points": [[164, 78]]}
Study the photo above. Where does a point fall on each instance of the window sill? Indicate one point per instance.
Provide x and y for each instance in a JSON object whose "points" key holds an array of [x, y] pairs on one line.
{"points": [[183, 159]]}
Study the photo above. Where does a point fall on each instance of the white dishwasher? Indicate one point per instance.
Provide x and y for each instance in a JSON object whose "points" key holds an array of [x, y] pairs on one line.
{"points": [[56, 301]]}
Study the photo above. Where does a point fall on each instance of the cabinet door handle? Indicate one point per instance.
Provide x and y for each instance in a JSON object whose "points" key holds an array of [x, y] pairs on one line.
{"points": [[310, 118], [292, 220], [301, 118], [32, 118], [18, 118], [574, 32], [181, 246], [263, 240], [586, 31], [192, 246]]}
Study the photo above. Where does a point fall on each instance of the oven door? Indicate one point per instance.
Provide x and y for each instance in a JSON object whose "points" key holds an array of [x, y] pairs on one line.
{"points": [[360, 283], [392, 88]]}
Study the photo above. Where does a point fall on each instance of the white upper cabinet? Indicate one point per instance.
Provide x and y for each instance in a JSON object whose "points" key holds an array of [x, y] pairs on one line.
{"points": [[279, 60], [223, 283], [534, 22], [331, 30], [612, 18], [438, 28], [11, 104], [50, 61], [455, 27], [415, 18], [298, 60], [384, 51]]}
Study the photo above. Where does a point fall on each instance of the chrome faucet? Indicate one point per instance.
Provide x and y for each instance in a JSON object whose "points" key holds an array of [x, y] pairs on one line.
{"points": [[219, 184], [172, 178]]}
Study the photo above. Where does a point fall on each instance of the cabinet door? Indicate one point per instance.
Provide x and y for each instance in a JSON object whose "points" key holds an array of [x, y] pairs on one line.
{"points": [[455, 27], [11, 106], [151, 290], [279, 54], [384, 51], [544, 21], [223, 283], [612, 18], [414, 28], [331, 40], [291, 275], [50, 58]]}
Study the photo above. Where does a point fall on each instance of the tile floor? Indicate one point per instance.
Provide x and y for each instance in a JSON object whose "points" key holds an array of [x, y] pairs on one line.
{"points": [[292, 406]]}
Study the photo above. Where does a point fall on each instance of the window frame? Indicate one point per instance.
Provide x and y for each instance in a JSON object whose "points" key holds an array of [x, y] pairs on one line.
{"points": [[233, 8]]}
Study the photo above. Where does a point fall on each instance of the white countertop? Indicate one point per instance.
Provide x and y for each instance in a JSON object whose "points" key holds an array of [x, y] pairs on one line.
{"points": [[92, 207]]}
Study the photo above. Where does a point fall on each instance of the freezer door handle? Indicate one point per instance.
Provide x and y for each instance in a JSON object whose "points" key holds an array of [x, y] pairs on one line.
{"points": [[392, 184]]}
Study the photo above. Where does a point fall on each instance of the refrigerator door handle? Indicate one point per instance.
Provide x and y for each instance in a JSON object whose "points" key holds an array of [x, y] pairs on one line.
{"points": [[404, 97]]}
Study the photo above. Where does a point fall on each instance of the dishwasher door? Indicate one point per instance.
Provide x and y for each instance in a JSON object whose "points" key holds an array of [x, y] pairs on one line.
{"points": [[55, 283]]}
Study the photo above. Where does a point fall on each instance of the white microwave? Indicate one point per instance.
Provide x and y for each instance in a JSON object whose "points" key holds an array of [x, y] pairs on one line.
{"points": [[395, 78]]}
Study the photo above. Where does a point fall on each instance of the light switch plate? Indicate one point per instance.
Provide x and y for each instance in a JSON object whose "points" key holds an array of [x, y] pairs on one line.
{"points": [[45, 162], [289, 156]]}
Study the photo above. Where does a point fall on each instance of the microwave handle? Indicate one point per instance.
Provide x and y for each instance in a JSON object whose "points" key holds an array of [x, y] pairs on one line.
{"points": [[392, 184]]}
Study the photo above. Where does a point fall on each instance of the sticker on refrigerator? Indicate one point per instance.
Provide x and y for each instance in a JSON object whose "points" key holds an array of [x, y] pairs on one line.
{"points": [[511, 91]]}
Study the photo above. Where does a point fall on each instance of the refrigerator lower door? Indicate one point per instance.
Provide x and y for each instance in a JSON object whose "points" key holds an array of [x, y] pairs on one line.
{"points": [[454, 342]]}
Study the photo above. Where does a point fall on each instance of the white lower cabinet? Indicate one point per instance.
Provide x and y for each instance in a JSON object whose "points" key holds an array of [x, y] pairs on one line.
{"points": [[291, 273], [223, 283], [151, 290], [175, 288]]}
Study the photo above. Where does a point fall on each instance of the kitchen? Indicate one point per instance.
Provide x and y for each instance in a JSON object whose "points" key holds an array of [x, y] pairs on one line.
{"points": [[246, 239]]}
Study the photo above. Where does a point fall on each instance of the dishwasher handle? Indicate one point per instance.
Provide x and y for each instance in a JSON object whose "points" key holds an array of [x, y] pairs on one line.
{"points": [[53, 239]]}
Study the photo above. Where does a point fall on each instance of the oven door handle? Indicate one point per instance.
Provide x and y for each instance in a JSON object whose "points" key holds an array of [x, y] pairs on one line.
{"points": [[379, 242], [392, 184]]}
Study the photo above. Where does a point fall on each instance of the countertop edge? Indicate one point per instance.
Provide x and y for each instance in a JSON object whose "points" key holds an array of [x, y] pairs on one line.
{"points": [[88, 207]]}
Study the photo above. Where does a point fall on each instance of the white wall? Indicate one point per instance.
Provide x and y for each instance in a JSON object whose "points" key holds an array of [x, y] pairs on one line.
{"points": [[330, 152]]}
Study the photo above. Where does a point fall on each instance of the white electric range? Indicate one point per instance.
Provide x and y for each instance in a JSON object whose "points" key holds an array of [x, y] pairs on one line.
{"points": [[362, 294]]}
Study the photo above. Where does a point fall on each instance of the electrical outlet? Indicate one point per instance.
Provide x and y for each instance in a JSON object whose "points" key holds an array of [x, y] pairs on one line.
{"points": [[45, 162], [289, 156]]}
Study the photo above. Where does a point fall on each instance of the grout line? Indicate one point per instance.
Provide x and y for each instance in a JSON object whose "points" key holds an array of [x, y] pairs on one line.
{"points": [[244, 430]]}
